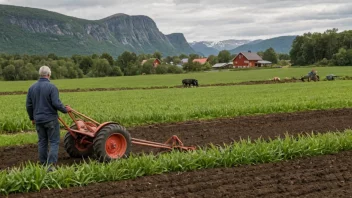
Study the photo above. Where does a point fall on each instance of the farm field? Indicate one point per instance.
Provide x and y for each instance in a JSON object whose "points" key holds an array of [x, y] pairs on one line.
{"points": [[220, 131], [220, 100], [175, 79], [140, 107], [319, 176], [217, 131], [202, 116]]}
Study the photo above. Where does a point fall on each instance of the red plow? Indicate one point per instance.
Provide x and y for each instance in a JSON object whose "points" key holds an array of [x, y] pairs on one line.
{"points": [[106, 141]]}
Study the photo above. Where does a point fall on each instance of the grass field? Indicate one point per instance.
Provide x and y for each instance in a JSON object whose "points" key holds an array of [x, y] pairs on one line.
{"points": [[138, 107], [175, 79]]}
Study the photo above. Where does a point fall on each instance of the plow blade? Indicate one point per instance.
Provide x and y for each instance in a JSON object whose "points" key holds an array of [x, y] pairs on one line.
{"points": [[172, 143]]}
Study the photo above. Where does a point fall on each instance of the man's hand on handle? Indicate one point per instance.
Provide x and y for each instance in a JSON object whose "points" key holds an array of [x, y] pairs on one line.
{"points": [[68, 108]]}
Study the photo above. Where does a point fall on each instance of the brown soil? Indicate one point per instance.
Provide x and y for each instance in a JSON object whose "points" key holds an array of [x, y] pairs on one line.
{"points": [[321, 176], [158, 87], [216, 131]]}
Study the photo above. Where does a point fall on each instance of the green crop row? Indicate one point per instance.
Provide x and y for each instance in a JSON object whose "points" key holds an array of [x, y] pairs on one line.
{"points": [[175, 79], [139, 107], [32, 177], [21, 138]]}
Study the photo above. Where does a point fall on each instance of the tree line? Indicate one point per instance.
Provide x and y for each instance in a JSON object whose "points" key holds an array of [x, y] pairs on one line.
{"points": [[25, 67], [329, 48]]}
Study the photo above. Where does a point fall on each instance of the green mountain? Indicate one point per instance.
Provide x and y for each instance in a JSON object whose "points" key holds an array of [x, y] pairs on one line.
{"points": [[36, 31], [280, 44]]}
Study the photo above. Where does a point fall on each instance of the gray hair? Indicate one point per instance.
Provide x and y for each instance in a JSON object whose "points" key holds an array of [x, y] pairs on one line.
{"points": [[44, 71]]}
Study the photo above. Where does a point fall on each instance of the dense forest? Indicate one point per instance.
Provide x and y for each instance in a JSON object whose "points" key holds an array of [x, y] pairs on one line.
{"points": [[328, 48]]}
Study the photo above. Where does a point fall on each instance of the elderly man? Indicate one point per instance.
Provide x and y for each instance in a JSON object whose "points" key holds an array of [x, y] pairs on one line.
{"points": [[42, 104]]}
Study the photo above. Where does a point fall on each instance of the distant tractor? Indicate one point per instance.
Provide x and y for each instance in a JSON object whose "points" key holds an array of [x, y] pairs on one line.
{"points": [[311, 76], [331, 77]]}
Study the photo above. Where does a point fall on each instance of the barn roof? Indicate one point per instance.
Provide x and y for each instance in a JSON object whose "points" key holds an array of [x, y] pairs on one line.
{"points": [[201, 60], [251, 56], [218, 65], [144, 61], [185, 60], [264, 62]]}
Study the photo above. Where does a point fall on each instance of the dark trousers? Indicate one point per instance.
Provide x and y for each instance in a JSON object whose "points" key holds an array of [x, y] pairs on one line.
{"points": [[48, 132]]}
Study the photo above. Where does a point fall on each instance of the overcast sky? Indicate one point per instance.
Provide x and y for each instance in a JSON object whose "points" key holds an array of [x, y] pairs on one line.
{"points": [[215, 20]]}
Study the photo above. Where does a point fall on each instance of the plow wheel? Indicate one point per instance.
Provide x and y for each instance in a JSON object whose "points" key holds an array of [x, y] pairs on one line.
{"points": [[112, 142], [75, 149]]}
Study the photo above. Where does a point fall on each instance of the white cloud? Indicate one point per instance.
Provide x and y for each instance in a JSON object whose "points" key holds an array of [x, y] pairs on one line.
{"points": [[215, 20]]}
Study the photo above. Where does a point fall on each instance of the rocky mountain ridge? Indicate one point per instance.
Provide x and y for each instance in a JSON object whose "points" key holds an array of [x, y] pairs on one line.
{"points": [[37, 31]]}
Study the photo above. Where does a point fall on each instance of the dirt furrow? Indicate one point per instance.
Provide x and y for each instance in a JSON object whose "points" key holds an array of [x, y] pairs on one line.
{"points": [[216, 131], [321, 176]]}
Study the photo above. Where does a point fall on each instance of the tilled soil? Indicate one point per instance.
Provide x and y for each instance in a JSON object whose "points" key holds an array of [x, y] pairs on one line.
{"points": [[160, 87], [321, 176], [201, 133]]}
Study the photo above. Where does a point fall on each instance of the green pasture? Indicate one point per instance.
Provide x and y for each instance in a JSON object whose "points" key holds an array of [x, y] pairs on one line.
{"points": [[139, 107], [212, 77]]}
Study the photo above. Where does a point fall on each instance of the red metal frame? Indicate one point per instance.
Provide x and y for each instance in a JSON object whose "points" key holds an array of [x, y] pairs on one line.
{"points": [[91, 127]]}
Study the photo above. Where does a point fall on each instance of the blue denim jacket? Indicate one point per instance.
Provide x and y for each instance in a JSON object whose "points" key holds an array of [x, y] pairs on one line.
{"points": [[43, 102]]}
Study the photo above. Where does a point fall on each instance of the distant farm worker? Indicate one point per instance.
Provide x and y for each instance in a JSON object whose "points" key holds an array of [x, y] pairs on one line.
{"points": [[312, 73], [42, 105]]}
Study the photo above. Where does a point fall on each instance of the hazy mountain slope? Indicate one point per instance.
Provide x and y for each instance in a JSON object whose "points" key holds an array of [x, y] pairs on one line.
{"points": [[280, 44], [36, 31]]}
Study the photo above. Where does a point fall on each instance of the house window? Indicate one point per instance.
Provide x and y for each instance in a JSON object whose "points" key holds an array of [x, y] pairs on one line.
{"points": [[240, 56]]}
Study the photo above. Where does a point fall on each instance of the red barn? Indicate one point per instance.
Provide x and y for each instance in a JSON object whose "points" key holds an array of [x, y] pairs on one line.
{"points": [[156, 62], [246, 59]]}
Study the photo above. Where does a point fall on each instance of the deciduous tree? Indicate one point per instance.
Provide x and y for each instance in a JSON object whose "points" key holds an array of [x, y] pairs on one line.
{"points": [[270, 55]]}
